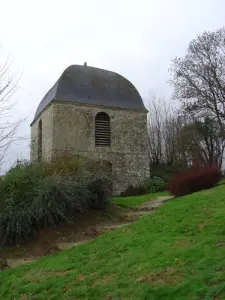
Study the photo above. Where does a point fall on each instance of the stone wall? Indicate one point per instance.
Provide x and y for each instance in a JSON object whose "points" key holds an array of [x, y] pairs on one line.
{"points": [[74, 133], [70, 129], [47, 135]]}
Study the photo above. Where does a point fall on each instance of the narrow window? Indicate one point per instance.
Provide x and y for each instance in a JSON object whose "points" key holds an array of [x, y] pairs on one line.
{"points": [[40, 140], [102, 130]]}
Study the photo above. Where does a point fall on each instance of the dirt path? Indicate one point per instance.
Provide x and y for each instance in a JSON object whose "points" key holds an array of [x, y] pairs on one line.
{"points": [[85, 229]]}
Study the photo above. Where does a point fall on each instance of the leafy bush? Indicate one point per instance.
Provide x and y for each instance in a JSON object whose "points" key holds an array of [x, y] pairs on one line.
{"points": [[132, 191], [165, 171], [59, 199], [154, 185], [196, 179], [76, 166], [30, 199], [151, 185], [21, 182], [98, 196], [67, 166]]}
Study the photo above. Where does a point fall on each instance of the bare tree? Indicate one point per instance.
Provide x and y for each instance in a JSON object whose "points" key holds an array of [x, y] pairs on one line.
{"points": [[177, 140], [203, 141], [164, 126], [8, 125], [198, 78], [155, 130]]}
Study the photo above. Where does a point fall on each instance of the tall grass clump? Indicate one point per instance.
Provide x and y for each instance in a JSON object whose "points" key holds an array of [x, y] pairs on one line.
{"points": [[35, 195]]}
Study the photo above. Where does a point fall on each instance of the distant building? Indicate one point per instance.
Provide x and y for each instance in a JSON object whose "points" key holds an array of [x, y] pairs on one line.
{"points": [[98, 114]]}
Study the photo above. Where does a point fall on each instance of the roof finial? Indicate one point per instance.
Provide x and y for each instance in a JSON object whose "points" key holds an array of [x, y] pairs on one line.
{"points": [[85, 64]]}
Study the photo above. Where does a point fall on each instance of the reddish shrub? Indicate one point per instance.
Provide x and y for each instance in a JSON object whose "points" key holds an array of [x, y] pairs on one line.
{"points": [[196, 179]]}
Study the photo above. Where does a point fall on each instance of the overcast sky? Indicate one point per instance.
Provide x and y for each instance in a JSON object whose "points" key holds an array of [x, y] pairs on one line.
{"points": [[137, 39]]}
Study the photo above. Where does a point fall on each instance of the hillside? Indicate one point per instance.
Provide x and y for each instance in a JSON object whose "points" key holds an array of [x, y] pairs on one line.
{"points": [[178, 252]]}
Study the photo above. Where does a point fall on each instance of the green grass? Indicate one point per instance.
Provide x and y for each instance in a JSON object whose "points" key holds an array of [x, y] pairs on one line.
{"points": [[176, 253], [136, 200]]}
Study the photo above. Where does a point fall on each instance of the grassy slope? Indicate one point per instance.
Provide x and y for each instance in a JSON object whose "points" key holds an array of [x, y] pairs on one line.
{"points": [[136, 200], [171, 254]]}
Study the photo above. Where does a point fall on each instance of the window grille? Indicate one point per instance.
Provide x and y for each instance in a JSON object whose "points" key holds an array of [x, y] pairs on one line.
{"points": [[102, 130]]}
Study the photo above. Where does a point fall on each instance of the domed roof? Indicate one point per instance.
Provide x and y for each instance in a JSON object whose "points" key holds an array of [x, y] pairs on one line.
{"points": [[89, 85]]}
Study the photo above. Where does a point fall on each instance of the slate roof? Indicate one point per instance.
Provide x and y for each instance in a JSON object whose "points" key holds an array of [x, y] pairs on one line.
{"points": [[89, 85]]}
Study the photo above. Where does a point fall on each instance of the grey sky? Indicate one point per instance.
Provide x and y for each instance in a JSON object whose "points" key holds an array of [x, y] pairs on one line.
{"points": [[137, 39]]}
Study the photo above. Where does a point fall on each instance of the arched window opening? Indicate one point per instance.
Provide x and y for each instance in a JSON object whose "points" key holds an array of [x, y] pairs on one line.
{"points": [[102, 130], [40, 140]]}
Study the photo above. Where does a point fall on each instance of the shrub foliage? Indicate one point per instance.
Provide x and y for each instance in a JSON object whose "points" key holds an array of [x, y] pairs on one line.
{"points": [[151, 185], [36, 195], [132, 191], [154, 185], [196, 179]]}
